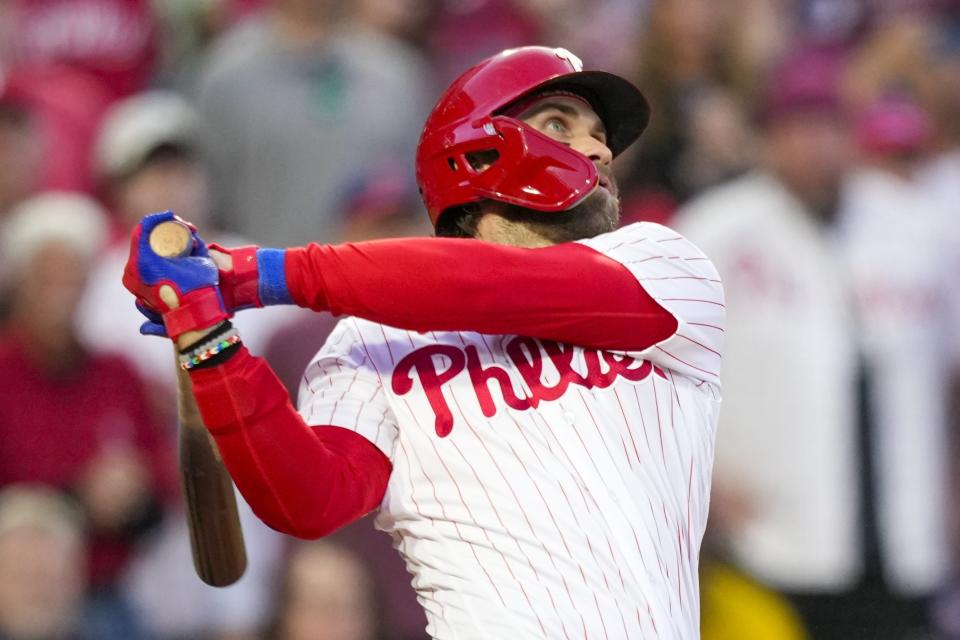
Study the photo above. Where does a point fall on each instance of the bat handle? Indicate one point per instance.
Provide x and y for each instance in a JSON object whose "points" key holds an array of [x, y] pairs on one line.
{"points": [[171, 239]]}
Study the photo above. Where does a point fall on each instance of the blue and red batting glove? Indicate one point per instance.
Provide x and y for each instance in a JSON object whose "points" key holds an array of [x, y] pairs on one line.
{"points": [[154, 323], [193, 278]]}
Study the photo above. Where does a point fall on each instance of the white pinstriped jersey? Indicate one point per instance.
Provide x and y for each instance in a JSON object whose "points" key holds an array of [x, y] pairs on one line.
{"points": [[541, 490]]}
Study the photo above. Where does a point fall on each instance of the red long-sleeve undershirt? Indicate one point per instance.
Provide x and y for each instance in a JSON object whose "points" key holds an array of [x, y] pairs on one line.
{"points": [[301, 480], [569, 292], [309, 481]]}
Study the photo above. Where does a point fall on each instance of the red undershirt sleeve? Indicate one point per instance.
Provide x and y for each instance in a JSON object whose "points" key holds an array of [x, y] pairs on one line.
{"points": [[568, 293], [304, 481]]}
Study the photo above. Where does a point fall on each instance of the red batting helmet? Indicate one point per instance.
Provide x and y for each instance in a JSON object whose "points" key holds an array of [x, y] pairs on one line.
{"points": [[530, 169]]}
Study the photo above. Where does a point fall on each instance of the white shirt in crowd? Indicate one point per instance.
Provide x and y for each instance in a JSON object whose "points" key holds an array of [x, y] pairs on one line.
{"points": [[804, 300], [898, 261]]}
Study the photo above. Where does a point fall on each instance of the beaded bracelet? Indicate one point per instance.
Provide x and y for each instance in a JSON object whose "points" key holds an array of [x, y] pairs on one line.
{"points": [[206, 350]]}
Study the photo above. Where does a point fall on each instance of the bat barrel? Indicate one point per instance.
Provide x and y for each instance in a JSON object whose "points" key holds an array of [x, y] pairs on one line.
{"points": [[216, 538]]}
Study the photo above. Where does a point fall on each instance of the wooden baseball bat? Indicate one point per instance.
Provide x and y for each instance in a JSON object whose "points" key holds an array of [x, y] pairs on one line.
{"points": [[216, 538]]}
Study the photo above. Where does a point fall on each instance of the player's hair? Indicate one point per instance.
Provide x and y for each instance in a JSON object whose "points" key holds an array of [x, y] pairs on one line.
{"points": [[459, 222]]}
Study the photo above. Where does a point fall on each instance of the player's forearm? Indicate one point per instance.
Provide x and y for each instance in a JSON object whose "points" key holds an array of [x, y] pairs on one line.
{"points": [[303, 481], [568, 293]]}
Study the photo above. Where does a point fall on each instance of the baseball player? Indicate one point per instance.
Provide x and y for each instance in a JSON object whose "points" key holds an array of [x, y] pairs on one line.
{"points": [[529, 400]]}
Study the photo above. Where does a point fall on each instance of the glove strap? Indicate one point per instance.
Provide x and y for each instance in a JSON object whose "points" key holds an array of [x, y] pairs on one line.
{"points": [[246, 278], [240, 285], [198, 310]]}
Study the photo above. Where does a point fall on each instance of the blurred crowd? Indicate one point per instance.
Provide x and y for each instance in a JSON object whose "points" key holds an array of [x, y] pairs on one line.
{"points": [[810, 147]]}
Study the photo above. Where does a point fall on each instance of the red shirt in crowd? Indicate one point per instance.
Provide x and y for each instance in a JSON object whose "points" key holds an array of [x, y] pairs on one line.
{"points": [[52, 427], [112, 40]]}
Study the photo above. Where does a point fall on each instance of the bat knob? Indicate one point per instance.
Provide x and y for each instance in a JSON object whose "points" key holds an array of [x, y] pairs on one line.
{"points": [[171, 239]]}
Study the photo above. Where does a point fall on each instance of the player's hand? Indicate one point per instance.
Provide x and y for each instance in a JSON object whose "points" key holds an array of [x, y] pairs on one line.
{"points": [[182, 290]]}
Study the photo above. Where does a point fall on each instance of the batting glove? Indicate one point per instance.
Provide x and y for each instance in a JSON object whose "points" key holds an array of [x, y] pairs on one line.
{"points": [[192, 278], [256, 278], [154, 324]]}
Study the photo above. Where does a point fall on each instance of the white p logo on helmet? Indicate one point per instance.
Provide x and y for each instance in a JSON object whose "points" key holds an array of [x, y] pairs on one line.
{"points": [[574, 61]]}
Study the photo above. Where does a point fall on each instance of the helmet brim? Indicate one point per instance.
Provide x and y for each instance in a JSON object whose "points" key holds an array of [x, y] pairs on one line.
{"points": [[620, 105]]}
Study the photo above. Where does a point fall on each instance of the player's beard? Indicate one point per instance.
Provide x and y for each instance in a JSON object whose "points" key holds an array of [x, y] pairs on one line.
{"points": [[598, 213]]}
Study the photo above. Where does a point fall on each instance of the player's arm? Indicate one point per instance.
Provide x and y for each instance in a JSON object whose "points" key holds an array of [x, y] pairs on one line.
{"points": [[569, 292], [300, 480]]}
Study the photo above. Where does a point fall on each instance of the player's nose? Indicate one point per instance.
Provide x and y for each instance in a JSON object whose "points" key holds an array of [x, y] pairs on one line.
{"points": [[593, 149]]}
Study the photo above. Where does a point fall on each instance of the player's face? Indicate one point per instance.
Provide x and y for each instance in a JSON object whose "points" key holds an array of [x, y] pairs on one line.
{"points": [[573, 122]]}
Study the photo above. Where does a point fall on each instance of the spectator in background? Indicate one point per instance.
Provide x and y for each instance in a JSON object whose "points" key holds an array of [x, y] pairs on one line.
{"points": [[110, 41], [940, 174], [464, 31], [146, 146], [70, 419], [147, 160], [832, 23], [68, 60], [896, 56], [19, 154], [919, 55], [829, 479], [406, 20], [785, 498], [42, 571], [468, 30], [940, 178], [63, 108], [327, 594], [382, 204], [589, 26], [734, 606], [719, 145], [294, 106], [699, 79], [902, 279]]}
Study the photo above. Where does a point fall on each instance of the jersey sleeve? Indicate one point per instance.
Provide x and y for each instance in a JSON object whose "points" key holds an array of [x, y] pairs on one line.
{"points": [[679, 277], [341, 387]]}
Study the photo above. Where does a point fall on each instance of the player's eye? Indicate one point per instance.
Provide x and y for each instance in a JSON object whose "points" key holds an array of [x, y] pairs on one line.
{"points": [[555, 125]]}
